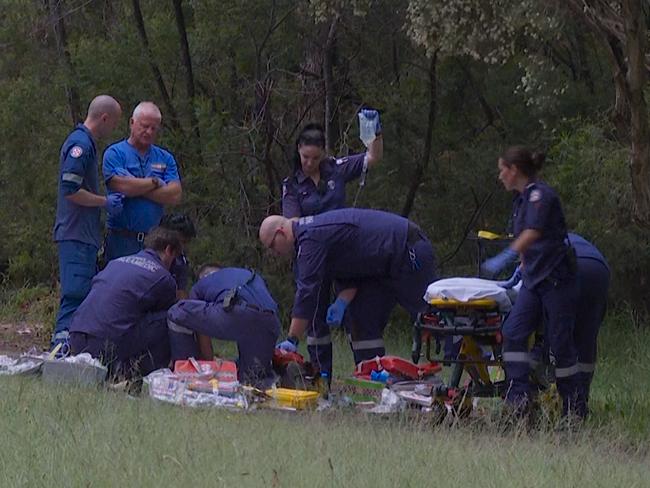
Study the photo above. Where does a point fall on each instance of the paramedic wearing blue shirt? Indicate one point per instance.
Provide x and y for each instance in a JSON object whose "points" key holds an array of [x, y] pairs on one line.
{"points": [[77, 229], [549, 287], [249, 317], [317, 186], [146, 174], [385, 257], [123, 320]]}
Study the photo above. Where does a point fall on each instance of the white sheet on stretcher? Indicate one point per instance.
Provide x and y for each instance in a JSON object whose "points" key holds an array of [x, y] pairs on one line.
{"points": [[465, 289]]}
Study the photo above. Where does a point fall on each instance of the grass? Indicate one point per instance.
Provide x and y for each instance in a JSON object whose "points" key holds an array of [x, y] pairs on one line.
{"points": [[74, 437]]}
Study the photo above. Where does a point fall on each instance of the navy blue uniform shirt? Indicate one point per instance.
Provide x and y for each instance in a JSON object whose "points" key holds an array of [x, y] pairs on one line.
{"points": [[123, 293], [213, 287], [345, 244], [300, 196], [585, 249], [122, 159], [77, 170], [539, 208]]}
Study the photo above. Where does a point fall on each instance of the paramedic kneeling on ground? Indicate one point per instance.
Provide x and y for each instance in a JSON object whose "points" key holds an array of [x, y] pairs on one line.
{"points": [[385, 257], [549, 288], [123, 320], [231, 304]]}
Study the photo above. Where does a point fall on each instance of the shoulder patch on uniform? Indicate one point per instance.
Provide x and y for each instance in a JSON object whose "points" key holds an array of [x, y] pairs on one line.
{"points": [[306, 220], [535, 196], [331, 184], [76, 151], [341, 161]]}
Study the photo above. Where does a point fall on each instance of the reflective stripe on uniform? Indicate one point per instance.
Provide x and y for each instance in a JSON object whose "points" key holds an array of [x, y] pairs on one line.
{"points": [[586, 367], [173, 326], [72, 177], [516, 357], [566, 372], [367, 344], [319, 341]]}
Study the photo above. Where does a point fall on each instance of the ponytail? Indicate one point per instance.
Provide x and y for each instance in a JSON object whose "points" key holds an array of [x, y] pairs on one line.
{"points": [[311, 135], [525, 161]]}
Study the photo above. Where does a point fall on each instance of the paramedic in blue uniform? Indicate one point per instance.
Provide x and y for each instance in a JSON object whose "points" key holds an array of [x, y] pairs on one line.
{"points": [[123, 320], [593, 277], [77, 229], [386, 258], [146, 174], [180, 268], [549, 287], [230, 304], [317, 186]]}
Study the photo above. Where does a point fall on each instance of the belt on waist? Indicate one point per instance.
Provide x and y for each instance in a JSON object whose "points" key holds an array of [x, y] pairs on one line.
{"points": [[414, 234], [129, 233], [252, 306]]}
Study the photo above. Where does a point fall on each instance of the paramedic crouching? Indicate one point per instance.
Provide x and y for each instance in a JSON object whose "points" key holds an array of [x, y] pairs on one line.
{"points": [[231, 304], [123, 320]]}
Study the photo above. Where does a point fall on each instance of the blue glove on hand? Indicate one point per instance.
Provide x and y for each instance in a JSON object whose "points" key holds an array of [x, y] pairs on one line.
{"points": [[372, 114], [114, 203], [335, 312], [512, 281], [290, 344], [493, 266]]}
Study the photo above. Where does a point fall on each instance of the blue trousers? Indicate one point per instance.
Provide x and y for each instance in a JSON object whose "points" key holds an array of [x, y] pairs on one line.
{"points": [[77, 267], [143, 349], [116, 246], [367, 315], [254, 331], [593, 285], [554, 302], [319, 340]]}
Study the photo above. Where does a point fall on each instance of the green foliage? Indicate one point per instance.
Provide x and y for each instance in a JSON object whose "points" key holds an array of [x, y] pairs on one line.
{"points": [[258, 77]]}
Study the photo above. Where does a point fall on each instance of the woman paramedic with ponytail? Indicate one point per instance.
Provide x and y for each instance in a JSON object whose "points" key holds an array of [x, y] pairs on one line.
{"points": [[549, 290], [316, 186]]}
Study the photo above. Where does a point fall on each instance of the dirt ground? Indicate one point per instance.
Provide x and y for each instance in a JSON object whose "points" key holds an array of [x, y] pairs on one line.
{"points": [[17, 338]]}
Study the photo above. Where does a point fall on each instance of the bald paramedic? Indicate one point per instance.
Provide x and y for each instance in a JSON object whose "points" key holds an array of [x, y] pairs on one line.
{"points": [[379, 258], [77, 229]]}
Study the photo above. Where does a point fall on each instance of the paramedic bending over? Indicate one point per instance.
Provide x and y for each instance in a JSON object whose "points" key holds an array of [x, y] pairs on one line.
{"points": [[549, 287], [318, 185]]}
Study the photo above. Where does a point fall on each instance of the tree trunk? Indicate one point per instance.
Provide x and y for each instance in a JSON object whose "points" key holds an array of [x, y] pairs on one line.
{"points": [[635, 50], [164, 94], [328, 83], [72, 94], [189, 76], [423, 164]]}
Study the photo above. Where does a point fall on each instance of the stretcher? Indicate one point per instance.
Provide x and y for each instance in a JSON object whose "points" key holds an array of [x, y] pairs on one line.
{"points": [[470, 311]]}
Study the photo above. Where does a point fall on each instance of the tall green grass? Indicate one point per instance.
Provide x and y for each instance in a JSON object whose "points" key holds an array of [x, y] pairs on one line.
{"points": [[78, 437]]}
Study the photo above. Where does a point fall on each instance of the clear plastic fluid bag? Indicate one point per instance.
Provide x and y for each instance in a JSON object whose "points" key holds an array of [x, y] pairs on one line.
{"points": [[366, 129]]}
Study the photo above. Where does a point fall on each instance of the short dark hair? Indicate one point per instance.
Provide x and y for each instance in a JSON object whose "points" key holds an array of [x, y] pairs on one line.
{"points": [[159, 238], [529, 163], [206, 267], [179, 222]]}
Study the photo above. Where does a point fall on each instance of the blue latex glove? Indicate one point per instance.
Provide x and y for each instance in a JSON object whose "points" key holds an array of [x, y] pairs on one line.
{"points": [[493, 266], [512, 281], [114, 203], [370, 113], [290, 344], [335, 312]]}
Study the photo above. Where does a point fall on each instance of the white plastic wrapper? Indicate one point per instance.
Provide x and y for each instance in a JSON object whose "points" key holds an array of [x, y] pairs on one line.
{"points": [[165, 386], [21, 365], [466, 289], [390, 402]]}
